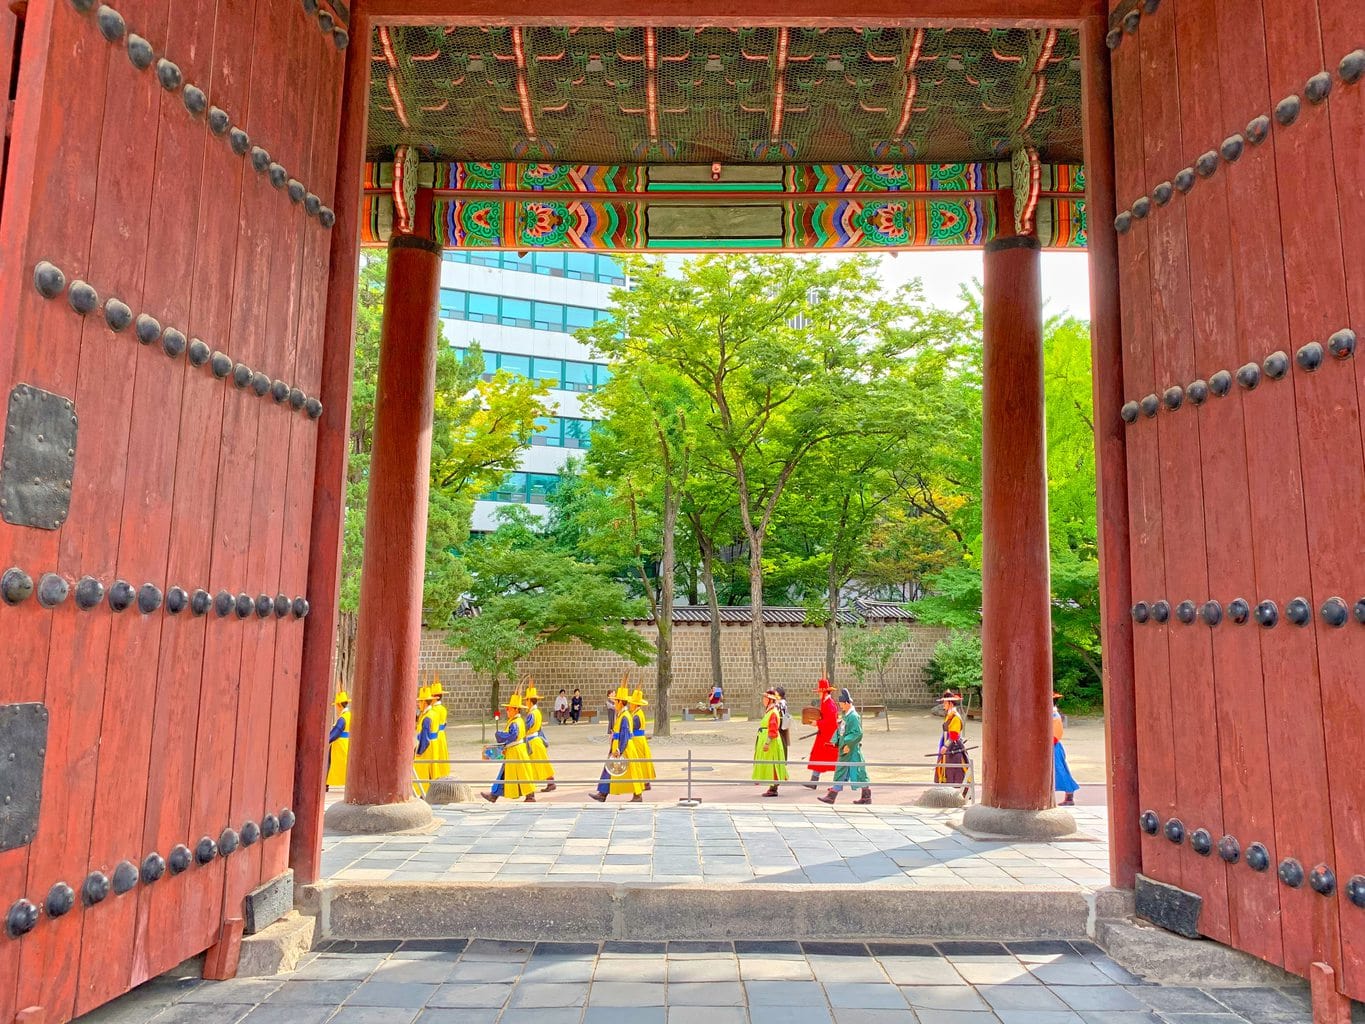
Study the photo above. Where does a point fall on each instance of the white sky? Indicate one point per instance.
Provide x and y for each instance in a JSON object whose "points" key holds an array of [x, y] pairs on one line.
{"points": [[1065, 284]]}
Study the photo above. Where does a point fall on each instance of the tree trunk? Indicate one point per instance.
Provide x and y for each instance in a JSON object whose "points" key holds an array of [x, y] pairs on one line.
{"points": [[493, 697], [758, 641], [712, 603], [663, 618], [831, 624], [345, 664]]}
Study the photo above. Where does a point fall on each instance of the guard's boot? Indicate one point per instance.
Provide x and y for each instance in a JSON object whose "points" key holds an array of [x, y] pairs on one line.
{"points": [[601, 798], [530, 798], [550, 787], [638, 798], [865, 797], [814, 782], [770, 791], [1069, 801], [491, 798], [828, 798]]}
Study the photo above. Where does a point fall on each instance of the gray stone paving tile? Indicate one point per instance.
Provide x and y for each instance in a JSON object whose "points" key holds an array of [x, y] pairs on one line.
{"points": [[498, 949], [626, 993], [317, 993], [933, 1016], [775, 968], [848, 969], [769, 1014], [558, 969], [703, 970], [864, 995], [241, 990], [921, 970], [705, 993], [1039, 1017], [542, 1015], [273, 1013], [530, 993], [708, 1015], [625, 1015], [1177, 999], [991, 973], [392, 993], [424, 971], [1259, 1001], [443, 1016], [1120, 1017], [942, 997], [783, 993], [471, 971], [865, 1015], [1105, 997], [631, 968], [486, 996], [1198, 1018], [374, 1015], [202, 1013], [1116, 973], [1020, 997]]}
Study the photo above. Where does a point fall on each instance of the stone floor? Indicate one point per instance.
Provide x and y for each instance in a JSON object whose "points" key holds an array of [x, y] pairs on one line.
{"points": [[797, 844], [486, 981]]}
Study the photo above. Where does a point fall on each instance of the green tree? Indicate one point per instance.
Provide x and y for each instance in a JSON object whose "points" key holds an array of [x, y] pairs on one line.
{"points": [[787, 354], [526, 592], [871, 650], [479, 429], [956, 665]]}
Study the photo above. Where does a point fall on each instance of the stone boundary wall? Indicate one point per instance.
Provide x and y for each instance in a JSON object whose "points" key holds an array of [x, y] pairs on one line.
{"points": [[796, 659]]}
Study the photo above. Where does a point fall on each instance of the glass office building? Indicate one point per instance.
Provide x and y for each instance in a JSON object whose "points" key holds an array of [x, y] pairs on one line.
{"points": [[522, 311]]}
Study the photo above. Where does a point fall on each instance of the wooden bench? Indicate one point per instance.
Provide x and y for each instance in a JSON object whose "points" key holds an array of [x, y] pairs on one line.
{"points": [[698, 713], [586, 715]]}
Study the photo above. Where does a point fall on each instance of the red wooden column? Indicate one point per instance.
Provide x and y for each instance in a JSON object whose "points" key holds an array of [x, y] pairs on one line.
{"points": [[1016, 632], [389, 629], [1111, 460]]}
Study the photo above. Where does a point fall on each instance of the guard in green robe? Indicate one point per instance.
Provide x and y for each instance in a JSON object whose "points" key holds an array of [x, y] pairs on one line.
{"points": [[850, 770]]}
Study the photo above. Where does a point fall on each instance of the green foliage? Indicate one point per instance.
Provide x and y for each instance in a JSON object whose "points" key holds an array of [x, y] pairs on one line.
{"points": [[479, 428], [871, 650], [956, 664]]}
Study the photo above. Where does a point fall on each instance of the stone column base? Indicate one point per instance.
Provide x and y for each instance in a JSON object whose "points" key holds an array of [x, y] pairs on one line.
{"points": [[983, 822], [376, 819]]}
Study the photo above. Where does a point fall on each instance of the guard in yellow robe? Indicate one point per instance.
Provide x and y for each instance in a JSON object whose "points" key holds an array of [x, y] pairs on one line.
{"points": [[644, 768], [627, 781], [438, 718], [514, 778], [536, 749], [339, 742], [426, 743]]}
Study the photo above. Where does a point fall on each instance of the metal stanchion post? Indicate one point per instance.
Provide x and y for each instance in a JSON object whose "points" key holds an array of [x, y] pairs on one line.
{"points": [[689, 800]]}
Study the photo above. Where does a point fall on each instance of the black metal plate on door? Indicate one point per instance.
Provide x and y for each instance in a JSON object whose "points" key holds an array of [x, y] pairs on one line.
{"points": [[1168, 907], [39, 458], [23, 748]]}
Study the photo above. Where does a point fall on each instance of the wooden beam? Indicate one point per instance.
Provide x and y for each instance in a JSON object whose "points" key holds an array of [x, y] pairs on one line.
{"points": [[733, 13]]}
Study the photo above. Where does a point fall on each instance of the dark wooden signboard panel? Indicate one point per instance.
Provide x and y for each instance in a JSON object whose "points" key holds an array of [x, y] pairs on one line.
{"points": [[163, 263], [1241, 185]]}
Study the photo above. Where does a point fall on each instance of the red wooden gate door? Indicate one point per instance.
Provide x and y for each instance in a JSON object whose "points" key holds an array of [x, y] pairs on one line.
{"points": [[1240, 151], [164, 241]]}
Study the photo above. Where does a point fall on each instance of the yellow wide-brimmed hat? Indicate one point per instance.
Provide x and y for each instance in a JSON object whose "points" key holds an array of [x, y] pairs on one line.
{"points": [[622, 694], [437, 689], [638, 697], [423, 693], [513, 702], [342, 697], [532, 693]]}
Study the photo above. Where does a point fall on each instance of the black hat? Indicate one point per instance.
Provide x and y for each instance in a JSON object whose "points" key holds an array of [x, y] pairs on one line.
{"points": [[845, 697]]}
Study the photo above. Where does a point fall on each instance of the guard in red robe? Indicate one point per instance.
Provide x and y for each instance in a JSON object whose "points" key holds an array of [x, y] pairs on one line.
{"points": [[823, 754]]}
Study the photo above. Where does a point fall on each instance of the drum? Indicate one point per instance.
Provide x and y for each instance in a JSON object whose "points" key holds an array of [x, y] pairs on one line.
{"points": [[493, 753], [617, 766]]}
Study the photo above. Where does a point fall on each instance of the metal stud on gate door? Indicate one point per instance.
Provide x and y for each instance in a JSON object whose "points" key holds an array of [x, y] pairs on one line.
{"points": [[327, 216], [1276, 365], [325, 21], [125, 877], [312, 204], [153, 868], [95, 888], [1318, 87], [1161, 611], [300, 607], [1220, 383], [227, 842], [281, 606], [241, 375], [1352, 66], [1113, 37], [168, 74], [1174, 397], [1322, 880], [173, 342], [1342, 343], [1142, 206], [1355, 890], [21, 919], [1149, 405], [148, 328], [1258, 857], [89, 593], [260, 159], [1131, 21], [1211, 612], [1257, 129], [244, 605], [264, 605], [140, 52], [1184, 179], [148, 598], [176, 600], [1184, 611], [15, 586], [1334, 612], [1162, 194], [1231, 148], [195, 100], [222, 603], [61, 899], [1206, 164], [1141, 612], [341, 38], [1201, 842], [1229, 850], [198, 353], [260, 384], [1267, 614], [121, 595], [295, 190], [1238, 610], [1291, 872], [200, 603], [220, 364], [52, 590], [1359, 611], [179, 858], [297, 399], [1249, 376], [1309, 357], [219, 122], [251, 832], [270, 825], [278, 175], [48, 279], [286, 820], [83, 298], [279, 391], [313, 408], [1123, 222], [239, 141], [1297, 612], [1175, 830], [1287, 111], [205, 850], [117, 314], [1198, 391]]}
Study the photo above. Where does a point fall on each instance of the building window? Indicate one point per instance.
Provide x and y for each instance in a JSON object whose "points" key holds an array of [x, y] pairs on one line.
{"points": [[549, 432], [559, 374], [525, 488], [575, 264]]}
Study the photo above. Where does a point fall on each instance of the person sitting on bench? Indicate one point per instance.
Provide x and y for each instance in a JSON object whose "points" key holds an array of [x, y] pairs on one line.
{"points": [[576, 706], [561, 708], [716, 699]]}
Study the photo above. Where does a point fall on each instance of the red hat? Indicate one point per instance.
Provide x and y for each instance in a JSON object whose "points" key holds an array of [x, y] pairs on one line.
{"points": [[1056, 695], [824, 686]]}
